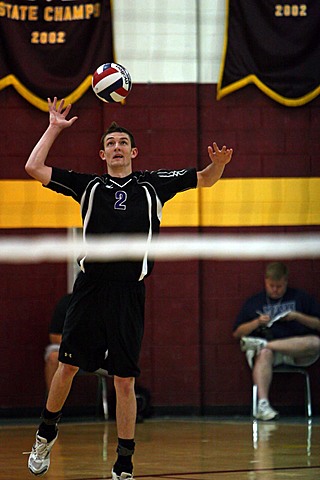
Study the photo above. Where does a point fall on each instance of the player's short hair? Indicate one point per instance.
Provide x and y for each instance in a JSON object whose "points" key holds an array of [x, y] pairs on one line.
{"points": [[277, 271], [114, 127]]}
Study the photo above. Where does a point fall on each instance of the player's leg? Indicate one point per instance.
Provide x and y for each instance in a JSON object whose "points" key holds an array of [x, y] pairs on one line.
{"points": [[60, 386], [126, 410], [125, 333], [39, 459], [126, 413]]}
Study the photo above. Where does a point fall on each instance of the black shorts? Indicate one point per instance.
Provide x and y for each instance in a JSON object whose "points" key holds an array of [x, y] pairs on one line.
{"points": [[104, 326]]}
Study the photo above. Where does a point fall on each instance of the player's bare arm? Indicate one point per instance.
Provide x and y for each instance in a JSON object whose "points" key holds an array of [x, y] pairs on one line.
{"points": [[213, 172], [35, 165]]}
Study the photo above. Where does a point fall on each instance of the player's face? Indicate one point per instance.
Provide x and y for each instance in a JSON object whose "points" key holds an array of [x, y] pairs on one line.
{"points": [[275, 288], [118, 152]]}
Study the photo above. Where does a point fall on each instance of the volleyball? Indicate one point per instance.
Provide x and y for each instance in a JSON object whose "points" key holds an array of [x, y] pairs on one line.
{"points": [[111, 82]]}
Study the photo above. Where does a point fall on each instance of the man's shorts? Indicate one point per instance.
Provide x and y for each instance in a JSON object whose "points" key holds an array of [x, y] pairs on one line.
{"points": [[104, 326]]}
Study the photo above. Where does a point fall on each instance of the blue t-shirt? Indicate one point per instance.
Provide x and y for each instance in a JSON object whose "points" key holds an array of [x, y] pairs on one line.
{"points": [[293, 300]]}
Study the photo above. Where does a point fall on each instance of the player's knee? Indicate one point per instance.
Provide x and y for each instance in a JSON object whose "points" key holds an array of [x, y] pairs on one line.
{"points": [[68, 370], [124, 386]]}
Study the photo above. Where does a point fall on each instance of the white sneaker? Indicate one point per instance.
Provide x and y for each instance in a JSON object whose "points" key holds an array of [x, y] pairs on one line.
{"points": [[265, 411], [252, 343], [39, 459], [123, 476]]}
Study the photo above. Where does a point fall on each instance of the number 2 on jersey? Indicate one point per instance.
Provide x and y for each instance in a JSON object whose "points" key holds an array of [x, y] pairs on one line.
{"points": [[120, 203]]}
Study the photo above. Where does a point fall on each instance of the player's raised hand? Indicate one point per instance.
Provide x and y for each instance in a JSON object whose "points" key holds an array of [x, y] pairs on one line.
{"points": [[219, 157], [58, 114]]}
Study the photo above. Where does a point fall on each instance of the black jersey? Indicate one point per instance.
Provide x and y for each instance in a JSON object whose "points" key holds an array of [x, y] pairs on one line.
{"points": [[129, 205]]}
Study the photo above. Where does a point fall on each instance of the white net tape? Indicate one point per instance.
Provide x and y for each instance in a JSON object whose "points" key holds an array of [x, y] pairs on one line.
{"points": [[166, 247]]}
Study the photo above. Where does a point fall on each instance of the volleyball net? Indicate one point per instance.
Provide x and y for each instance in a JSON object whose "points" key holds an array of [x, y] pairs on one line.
{"points": [[58, 248]]}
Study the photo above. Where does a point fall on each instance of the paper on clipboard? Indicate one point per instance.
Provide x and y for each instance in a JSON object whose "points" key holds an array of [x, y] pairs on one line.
{"points": [[278, 317]]}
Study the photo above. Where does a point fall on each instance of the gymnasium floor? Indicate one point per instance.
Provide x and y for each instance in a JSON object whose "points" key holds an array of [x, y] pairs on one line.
{"points": [[210, 448]]}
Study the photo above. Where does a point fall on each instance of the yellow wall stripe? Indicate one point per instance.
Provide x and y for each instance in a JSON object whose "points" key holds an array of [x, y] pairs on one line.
{"points": [[236, 202], [262, 202]]}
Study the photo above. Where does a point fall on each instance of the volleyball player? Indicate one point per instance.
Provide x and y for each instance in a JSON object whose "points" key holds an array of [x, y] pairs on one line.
{"points": [[105, 317]]}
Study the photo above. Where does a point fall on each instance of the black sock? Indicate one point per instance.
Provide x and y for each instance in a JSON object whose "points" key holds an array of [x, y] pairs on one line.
{"points": [[125, 451], [48, 427]]}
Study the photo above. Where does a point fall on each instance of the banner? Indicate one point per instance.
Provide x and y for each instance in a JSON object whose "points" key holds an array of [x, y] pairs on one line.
{"points": [[52, 47], [276, 46]]}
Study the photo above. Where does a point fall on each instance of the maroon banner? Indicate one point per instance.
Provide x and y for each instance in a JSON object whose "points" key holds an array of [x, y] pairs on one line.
{"points": [[274, 44], [52, 47]]}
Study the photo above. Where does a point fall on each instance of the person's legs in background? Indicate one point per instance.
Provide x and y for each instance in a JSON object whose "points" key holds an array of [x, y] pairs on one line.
{"points": [[299, 351], [262, 377], [51, 359]]}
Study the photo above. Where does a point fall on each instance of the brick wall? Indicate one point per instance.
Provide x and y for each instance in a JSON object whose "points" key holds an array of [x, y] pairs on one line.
{"points": [[189, 357]]}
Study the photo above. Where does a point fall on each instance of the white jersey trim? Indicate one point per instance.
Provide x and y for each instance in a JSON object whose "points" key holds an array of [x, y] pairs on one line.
{"points": [[87, 217]]}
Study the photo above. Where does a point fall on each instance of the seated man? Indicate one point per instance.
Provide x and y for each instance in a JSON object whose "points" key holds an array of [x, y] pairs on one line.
{"points": [[55, 334], [278, 326]]}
